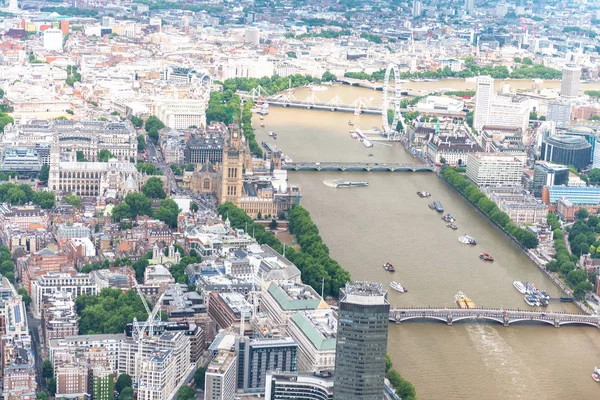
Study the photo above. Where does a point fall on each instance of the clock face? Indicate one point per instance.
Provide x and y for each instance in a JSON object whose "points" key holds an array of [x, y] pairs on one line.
{"points": [[234, 134]]}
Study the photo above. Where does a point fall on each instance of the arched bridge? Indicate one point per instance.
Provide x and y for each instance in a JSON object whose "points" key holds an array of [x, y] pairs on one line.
{"points": [[504, 317], [356, 167]]}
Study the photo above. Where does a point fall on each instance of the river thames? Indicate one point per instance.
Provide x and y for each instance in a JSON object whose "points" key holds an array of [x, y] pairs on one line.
{"points": [[365, 227]]}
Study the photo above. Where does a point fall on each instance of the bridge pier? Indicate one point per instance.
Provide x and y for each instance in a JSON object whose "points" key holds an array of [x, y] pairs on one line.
{"points": [[343, 169], [505, 320], [449, 319], [557, 322]]}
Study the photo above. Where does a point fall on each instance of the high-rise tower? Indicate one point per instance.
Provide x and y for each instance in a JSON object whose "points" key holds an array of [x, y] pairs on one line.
{"points": [[233, 166], [484, 96], [569, 84], [361, 342]]}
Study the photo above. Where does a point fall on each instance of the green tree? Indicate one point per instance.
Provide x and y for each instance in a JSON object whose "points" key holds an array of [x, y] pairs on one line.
{"points": [[147, 168], [47, 369], [154, 188], [139, 204], [41, 396], [581, 289], [51, 386], [123, 381], [44, 199], [141, 143], [26, 298], [5, 119], [73, 200], [105, 155], [153, 125], [273, 224], [121, 211], [199, 377], [137, 121], [168, 212], [44, 173], [583, 214], [577, 276], [388, 363], [186, 393], [126, 393], [328, 77], [80, 156], [194, 207]]}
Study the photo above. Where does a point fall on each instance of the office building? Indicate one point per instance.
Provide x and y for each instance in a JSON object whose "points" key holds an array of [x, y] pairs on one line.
{"points": [[202, 150], [284, 299], [416, 9], [181, 113], [569, 84], [72, 379], [498, 110], [484, 95], [252, 35], [560, 113], [24, 161], [470, 7], [220, 379], [451, 150], [299, 385], [157, 376], [18, 368], [103, 383], [227, 309], [567, 150], [361, 342], [82, 343], [589, 134], [315, 332], [53, 39], [258, 356], [493, 169], [547, 174], [48, 284], [578, 196]]}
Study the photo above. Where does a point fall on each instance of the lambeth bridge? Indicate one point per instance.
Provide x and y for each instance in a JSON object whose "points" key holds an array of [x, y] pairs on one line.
{"points": [[504, 317], [356, 167]]}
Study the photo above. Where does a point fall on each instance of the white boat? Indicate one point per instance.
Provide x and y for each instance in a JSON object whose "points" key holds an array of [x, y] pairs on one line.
{"points": [[466, 239], [353, 135], [318, 88], [520, 287], [596, 375], [367, 143], [397, 286], [271, 133], [530, 300]]}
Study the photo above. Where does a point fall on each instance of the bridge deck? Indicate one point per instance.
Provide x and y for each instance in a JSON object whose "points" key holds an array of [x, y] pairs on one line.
{"points": [[505, 317], [357, 167]]}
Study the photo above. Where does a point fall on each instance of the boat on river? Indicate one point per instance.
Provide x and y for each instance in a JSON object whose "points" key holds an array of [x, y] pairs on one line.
{"points": [[388, 267], [350, 123], [452, 226], [462, 301], [448, 218], [398, 287], [520, 286], [262, 125], [466, 239], [318, 88], [353, 135], [351, 184], [367, 143], [423, 194], [486, 257], [437, 206], [596, 374]]}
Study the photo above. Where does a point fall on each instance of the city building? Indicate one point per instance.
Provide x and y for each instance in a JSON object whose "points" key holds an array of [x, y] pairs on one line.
{"points": [[18, 367], [72, 379], [567, 150], [82, 343], [578, 196], [470, 7], [589, 134], [53, 39], [184, 76], [315, 332], [498, 109], [157, 376], [50, 283], [520, 206], [227, 309], [560, 113], [416, 9], [234, 153], [181, 113], [569, 84], [204, 149], [220, 380], [299, 385], [108, 180], [257, 356], [361, 342], [547, 174], [24, 161], [451, 150], [59, 316], [492, 169], [505, 140], [281, 300], [103, 383]]}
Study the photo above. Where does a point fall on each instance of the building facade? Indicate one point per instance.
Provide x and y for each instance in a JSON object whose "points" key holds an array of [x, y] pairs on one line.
{"points": [[547, 174], [492, 169], [560, 113], [567, 150], [299, 385], [361, 342], [569, 84], [202, 150], [220, 380]]}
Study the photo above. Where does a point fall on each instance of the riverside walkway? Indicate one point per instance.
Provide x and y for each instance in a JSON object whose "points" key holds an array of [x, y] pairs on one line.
{"points": [[504, 317], [356, 167]]}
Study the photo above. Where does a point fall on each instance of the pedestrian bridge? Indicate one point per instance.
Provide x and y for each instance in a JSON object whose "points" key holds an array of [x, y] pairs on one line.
{"points": [[502, 316], [356, 167]]}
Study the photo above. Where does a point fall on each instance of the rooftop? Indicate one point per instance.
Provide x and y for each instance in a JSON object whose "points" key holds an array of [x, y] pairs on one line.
{"points": [[320, 327]]}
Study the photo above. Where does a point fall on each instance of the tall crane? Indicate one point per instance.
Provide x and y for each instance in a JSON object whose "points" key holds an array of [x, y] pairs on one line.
{"points": [[153, 318]]}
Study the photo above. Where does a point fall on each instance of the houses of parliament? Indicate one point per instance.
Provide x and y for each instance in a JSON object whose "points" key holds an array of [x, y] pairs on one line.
{"points": [[254, 185]]}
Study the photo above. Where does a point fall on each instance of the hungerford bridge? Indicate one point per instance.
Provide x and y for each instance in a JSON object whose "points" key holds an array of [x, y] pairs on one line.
{"points": [[501, 316], [356, 167], [389, 101]]}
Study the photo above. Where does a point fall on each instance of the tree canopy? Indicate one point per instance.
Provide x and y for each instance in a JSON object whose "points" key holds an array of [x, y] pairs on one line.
{"points": [[105, 155], [186, 393], [123, 381], [73, 200], [153, 125], [154, 188], [108, 312], [168, 212]]}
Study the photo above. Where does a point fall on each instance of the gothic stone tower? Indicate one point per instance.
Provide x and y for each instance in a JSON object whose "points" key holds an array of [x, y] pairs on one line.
{"points": [[232, 166]]}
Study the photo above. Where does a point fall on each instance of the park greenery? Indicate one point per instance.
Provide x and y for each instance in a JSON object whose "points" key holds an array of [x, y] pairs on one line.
{"points": [[199, 378], [404, 389], [109, 311], [186, 393], [72, 75], [5, 119], [123, 381], [7, 266], [136, 204], [523, 71], [152, 126], [21, 194], [582, 239], [168, 5], [147, 168], [326, 34], [524, 237], [137, 121], [313, 259], [178, 169], [154, 188], [73, 200], [592, 93], [105, 155], [70, 11], [141, 143]]}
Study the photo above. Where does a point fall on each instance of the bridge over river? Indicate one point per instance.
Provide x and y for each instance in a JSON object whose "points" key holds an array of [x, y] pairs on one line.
{"points": [[356, 167], [504, 317]]}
